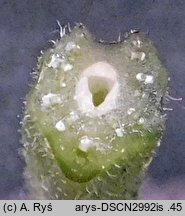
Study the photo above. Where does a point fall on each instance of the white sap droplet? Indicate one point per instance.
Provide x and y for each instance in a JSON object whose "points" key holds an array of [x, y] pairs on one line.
{"points": [[55, 61], [131, 110], [149, 79], [122, 150], [63, 85], [141, 120], [62, 147], [60, 126], [143, 56], [67, 67], [50, 99], [140, 76], [119, 132], [62, 82], [85, 143]]}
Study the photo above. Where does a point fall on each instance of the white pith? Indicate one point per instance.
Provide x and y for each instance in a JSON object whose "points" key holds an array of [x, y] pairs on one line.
{"points": [[100, 72]]}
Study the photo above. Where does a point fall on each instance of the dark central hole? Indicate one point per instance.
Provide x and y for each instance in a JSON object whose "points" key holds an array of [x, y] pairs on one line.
{"points": [[99, 87]]}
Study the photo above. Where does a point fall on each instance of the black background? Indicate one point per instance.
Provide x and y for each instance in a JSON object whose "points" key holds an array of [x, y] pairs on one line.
{"points": [[26, 26]]}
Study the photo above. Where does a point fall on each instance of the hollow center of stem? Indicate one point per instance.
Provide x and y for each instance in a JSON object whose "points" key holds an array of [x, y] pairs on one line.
{"points": [[99, 88]]}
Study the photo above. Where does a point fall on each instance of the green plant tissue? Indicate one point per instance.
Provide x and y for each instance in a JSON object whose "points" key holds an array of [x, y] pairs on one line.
{"points": [[93, 118]]}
